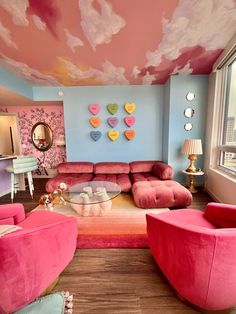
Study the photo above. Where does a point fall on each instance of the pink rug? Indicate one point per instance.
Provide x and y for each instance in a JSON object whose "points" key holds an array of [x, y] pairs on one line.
{"points": [[124, 226]]}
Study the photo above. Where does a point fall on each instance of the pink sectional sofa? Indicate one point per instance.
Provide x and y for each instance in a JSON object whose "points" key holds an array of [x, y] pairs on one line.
{"points": [[149, 181]]}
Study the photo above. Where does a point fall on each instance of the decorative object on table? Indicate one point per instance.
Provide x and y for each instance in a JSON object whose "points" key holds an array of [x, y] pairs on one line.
{"points": [[192, 148], [113, 135], [129, 121], [130, 134], [56, 303], [130, 107], [91, 203], [95, 121], [53, 198], [95, 135], [94, 108], [112, 121], [112, 108]]}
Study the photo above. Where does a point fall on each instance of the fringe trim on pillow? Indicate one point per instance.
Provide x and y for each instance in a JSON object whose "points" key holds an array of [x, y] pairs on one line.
{"points": [[68, 302]]}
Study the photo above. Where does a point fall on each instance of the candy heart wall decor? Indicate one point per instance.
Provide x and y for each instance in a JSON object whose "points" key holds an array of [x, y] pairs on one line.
{"points": [[112, 121], [95, 122], [113, 135], [94, 108], [130, 107], [129, 121], [112, 108], [95, 135], [129, 134]]}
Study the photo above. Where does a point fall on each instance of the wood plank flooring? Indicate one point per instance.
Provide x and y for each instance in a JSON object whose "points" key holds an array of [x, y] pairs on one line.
{"points": [[115, 281]]}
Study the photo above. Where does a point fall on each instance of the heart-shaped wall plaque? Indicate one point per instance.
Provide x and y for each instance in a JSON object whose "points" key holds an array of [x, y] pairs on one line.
{"points": [[113, 121], [129, 134], [130, 107], [95, 135], [129, 121], [94, 108], [113, 135], [95, 122], [112, 108]]}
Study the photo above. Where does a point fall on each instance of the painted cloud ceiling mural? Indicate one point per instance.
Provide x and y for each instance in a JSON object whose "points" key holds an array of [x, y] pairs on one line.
{"points": [[112, 42]]}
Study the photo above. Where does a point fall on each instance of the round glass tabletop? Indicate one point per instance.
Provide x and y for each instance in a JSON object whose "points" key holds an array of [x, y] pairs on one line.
{"points": [[91, 192]]}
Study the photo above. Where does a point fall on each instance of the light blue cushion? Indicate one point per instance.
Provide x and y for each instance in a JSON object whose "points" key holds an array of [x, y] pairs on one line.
{"points": [[50, 304]]}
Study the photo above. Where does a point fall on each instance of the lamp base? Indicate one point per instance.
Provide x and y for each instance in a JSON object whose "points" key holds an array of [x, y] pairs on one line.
{"points": [[191, 167]]}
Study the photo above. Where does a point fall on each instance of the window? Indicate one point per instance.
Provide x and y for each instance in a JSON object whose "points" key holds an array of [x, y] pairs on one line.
{"points": [[227, 147]]}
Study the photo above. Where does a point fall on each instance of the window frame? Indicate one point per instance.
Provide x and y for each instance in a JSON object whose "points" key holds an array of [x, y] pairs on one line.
{"points": [[222, 72]]}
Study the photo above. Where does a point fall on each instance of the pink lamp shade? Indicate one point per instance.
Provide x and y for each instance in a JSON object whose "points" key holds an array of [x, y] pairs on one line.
{"points": [[192, 147]]}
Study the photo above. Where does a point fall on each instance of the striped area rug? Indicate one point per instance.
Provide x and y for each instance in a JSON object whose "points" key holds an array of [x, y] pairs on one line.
{"points": [[124, 226]]}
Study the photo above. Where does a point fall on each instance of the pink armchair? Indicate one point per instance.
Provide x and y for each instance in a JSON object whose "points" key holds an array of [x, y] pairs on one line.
{"points": [[31, 258], [197, 252]]}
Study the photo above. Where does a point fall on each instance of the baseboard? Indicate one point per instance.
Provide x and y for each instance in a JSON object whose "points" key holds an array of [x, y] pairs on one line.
{"points": [[213, 196]]}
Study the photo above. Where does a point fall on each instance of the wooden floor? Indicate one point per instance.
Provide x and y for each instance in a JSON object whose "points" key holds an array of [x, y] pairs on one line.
{"points": [[110, 281]]}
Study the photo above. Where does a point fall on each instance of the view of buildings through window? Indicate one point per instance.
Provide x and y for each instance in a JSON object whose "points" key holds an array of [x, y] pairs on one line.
{"points": [[229, 136]]}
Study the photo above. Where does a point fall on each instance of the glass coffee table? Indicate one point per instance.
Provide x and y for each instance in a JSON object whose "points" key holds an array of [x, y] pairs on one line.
{"points": [[92, 198]]}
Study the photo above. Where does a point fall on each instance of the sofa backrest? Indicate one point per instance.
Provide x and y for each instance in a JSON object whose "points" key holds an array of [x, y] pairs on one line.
{"points": [[111, 168], [75, 167], [141, 166]]}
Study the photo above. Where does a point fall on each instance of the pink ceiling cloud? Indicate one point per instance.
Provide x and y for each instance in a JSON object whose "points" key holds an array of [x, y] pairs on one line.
{"points": [[105, 42], [17, 10], [47, 12], [99, 25]]}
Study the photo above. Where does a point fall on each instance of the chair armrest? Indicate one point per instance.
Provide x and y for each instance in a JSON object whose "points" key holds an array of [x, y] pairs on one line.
{"points": [[162, 170], [221, 215], [12, 214]]}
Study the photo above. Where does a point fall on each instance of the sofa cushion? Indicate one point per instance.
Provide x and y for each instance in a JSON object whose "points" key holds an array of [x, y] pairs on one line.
{"points": [[144, 176], [69, 179], [111, 168], [162, 170], [75, 167], [122, 180], [141, 166]]}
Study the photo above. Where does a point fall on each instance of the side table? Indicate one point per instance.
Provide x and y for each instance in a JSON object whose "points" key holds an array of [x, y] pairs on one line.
{"points": [[192, 176]]}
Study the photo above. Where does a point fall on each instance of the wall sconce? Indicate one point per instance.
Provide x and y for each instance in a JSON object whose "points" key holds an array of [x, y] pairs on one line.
{"points": [[60, 141], [192, 147]]}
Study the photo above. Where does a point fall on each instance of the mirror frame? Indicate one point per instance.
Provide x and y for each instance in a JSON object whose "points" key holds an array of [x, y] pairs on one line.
{"points": [[43, 149]]}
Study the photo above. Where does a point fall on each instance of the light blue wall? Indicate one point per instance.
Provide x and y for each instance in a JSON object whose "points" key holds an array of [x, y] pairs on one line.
{"points": [[159, 119], [179, 87], [166, 122], [15, 84], [147, 143]]}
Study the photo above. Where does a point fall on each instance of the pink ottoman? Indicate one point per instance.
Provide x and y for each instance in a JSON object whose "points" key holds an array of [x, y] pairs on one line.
{"points": [[158, 194]]}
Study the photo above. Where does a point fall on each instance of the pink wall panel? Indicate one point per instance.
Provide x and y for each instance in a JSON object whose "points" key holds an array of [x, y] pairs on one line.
{"points": [[27, 117]]}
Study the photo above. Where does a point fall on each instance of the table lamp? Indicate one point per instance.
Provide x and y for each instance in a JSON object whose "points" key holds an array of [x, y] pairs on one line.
{"points": [[192, 148]]}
